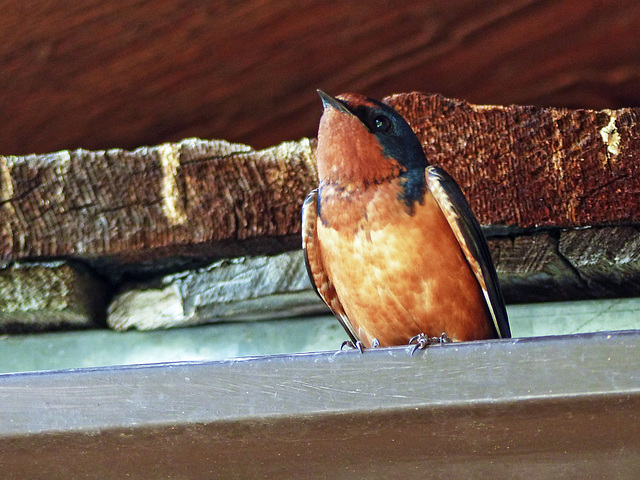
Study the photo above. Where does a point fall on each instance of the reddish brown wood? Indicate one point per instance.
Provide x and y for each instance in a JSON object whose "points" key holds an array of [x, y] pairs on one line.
{"points": [[530, 166], [100, 74]]}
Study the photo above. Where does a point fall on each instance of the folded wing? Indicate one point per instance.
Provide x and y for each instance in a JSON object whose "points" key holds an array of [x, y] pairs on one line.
{"points": [[472, 242]]}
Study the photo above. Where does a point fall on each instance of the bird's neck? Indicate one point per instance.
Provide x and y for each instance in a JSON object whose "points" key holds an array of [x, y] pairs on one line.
{"points": [[358, 172], [347, 204], [348, 154], [414, 185]]}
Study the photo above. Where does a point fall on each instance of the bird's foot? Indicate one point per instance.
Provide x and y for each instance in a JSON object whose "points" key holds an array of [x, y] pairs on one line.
{"points": [[421, 341], [356, 346]]}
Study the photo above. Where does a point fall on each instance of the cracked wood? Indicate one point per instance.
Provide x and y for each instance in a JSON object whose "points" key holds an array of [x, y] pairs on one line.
{"points": [[519, 166], [530, 166], [153, 202]]}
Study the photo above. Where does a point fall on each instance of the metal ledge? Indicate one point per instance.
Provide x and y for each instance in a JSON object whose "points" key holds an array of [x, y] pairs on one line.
{"points": [[541, 407]]}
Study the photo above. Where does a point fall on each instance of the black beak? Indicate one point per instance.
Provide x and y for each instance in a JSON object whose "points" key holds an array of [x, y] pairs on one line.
{"points": [[329, 101]]}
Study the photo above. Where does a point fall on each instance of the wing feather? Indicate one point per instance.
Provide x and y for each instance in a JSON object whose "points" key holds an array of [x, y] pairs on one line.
{"points": [[472, 242], [315, 267]]}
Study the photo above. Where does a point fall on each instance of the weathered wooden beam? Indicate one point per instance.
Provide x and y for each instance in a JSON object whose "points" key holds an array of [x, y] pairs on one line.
{"points": [[155, 202], [530, 166], [36, 296], [443, 412], [607, 259], [544, 266], [536, 176], [249, 288], [519, 166]]}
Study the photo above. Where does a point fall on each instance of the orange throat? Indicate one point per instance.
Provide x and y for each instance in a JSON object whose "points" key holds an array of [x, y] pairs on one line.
{"points": [[348, 153]]}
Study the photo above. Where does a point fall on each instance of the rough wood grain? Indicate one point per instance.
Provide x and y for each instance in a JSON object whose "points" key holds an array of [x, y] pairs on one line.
{"points": [[164, 209], [247, 288], [531, 269], [530, 166], [519, 166], [45, 295], [607, 259], [541, 267], [154, 202], [100, 74]]}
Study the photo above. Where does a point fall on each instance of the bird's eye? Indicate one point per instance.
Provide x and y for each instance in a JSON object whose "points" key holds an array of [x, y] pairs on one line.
{"points": [[382, 124]]}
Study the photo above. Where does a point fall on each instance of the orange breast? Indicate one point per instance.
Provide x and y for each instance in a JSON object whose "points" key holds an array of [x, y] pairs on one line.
{"points": [[398, 273]]}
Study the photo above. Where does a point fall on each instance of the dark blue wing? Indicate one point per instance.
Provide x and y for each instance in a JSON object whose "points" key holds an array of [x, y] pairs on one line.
{"points": [[472, 242]]}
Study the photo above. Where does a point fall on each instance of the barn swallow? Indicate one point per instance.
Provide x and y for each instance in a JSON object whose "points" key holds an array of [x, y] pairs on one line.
{"points": [[391, 244]]}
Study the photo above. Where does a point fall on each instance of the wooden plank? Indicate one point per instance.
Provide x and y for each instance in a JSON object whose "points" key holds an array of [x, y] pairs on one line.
{"points": [[531, 269], [533, 167], [197, 198], [447, 411], [521, 167], [55, 294], [544, 266], [606, 259], [102, 75], [532, 174], [246, 288]]}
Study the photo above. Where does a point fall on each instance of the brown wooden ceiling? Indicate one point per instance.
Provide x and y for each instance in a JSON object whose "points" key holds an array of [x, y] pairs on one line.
{"points": [[102, 74]]}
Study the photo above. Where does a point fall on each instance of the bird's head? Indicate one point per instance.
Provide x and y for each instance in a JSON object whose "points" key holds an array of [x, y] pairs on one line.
{"points": [[363, 140]]}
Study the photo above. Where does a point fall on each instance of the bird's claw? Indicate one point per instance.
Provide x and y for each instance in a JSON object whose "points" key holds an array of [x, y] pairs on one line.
{"points": [[422, 341], [356, 346], [444, 338]]}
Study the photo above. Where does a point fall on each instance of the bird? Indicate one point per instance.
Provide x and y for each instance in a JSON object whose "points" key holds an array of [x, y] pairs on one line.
{"points": [[390, 243]]}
